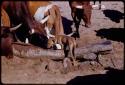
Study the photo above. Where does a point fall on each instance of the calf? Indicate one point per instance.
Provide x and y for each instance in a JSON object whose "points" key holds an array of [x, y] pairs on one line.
{"points": [[68, 44]]}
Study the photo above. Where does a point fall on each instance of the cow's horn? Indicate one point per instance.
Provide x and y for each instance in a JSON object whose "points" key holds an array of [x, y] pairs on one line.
{"points": [[70, 34], [14, 28], [44, 20]]}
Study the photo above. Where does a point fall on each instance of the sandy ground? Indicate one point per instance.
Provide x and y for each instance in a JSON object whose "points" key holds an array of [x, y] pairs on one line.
{"points": [[38, 71]]}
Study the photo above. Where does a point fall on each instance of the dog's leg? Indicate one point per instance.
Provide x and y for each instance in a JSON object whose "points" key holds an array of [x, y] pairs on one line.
{"points": [[71, 53], [75, 62], [66, 55]]}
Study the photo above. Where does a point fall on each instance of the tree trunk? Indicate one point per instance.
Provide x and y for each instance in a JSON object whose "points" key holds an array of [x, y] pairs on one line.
{"points": [[87, 52]]}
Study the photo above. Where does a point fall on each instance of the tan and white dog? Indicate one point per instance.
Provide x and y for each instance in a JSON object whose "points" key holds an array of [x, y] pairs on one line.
{"points": [[67, 43]]}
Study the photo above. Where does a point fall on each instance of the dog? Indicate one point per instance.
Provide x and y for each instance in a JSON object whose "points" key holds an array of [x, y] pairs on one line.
{"points": [[67, 43]]}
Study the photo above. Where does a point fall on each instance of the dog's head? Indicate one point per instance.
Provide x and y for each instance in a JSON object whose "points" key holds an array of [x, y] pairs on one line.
{"points": [[51, 42]]}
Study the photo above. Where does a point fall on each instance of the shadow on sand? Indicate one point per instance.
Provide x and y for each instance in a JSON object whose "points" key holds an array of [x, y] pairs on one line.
{"points": [[112, 77], [115, 34], [67, 25], [114, 15]]}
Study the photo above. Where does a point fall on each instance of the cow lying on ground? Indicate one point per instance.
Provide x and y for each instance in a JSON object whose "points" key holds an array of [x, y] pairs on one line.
{"points": [[67, 43], [81, 10]]}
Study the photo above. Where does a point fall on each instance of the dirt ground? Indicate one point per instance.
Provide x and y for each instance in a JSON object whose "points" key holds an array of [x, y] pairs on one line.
{"points": [[45, 71]]}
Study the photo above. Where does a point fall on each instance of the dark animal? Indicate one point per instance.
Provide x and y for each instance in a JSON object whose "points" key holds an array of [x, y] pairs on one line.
{"points": [[19, 13], [22, 12], [99, 3], [7, 39], [39, 40], [81, 10], [7, 36], [53, 23]]}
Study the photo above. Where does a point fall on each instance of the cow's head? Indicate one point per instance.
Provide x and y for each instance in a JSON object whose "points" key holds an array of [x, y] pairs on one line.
{"points": [[38, 28], [7, 30], [51, 42], [6, 40]]}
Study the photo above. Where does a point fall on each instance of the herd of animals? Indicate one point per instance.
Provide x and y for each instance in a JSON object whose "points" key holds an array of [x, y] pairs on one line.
{"points": [[40, 23]]}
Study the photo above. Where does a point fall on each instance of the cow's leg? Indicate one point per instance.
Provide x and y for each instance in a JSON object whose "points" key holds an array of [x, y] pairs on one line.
{"points": [[87, 15], [48, 33], [73, 10], [58, 26], [6, 46], [77, 20], [94, 2], [66, 55], [49, 26], [99, 4], [10, 55]]}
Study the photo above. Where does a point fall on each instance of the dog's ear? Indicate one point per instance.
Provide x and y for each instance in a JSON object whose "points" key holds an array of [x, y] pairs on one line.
{"points": [[53, 39]]}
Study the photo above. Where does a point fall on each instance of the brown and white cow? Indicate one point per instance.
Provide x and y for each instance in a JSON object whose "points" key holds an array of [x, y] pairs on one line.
{"points": [[49, 14], [23, 11]]}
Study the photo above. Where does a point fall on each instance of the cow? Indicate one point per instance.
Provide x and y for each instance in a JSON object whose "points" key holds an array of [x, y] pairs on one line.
{"points": [[7, 39], [24, 11], [19, 13], [44, 9], [99, 3], [81, 10]]}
